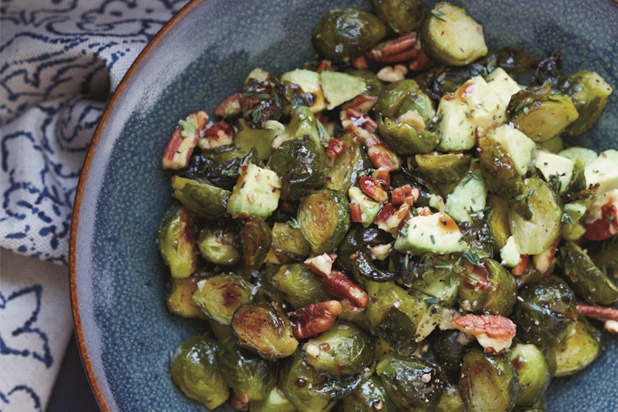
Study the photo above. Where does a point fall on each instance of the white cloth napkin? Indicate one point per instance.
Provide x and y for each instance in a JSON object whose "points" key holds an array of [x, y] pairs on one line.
{"points": [[59, 62]]}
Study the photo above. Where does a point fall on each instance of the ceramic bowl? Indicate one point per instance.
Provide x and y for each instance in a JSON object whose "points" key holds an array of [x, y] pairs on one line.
{"points": [[201, 56]]}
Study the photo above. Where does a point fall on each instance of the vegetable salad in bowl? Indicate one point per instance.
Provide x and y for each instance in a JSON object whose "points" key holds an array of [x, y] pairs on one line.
{"points": [[400, 225]]}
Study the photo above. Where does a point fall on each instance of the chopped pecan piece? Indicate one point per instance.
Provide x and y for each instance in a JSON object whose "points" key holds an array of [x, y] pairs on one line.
{"points": [[215, 135], [183, 141], [394, 51], [372, 188], [314, 319], [362, 103], [602, 222], [230, 107], [392, 74], [335, 149], [520, 269], [598, 312], [321, 264], [494, 333]]}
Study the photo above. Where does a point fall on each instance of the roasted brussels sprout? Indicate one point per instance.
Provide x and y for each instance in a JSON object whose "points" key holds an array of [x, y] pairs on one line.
{"points": [[324, 219], [448, 351], [303, 123], [498, 221], [218, 245], [254, 141], [356, 240], [477, 235], [299, 286], [274, 402], [443, 167], [301, 164], [406, 139], [344, 349], [246, 372], [255, 238], [265, 329], [344, 34], [451, 400], [374, 86], [451, 36], [401, 15], [348, 167], [261, 100], [543, 312], [532, 372], [177, 242], [605, 253], [583, 345], [584, 277], [487, 383], [487, 287], [180, 302], [411, 382], [221, 295], [589, 93], [195, 370], [370, 396], [201, 197], [499, 171], [403, 96], [288, 243]]}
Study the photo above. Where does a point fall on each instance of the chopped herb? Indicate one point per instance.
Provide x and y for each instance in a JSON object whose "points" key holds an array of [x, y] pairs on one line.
{"points": [[433, 239], [438, 14], [525, 110], [590, 269], [472, 257], [432, 301], [294, 223], [566, 218]]}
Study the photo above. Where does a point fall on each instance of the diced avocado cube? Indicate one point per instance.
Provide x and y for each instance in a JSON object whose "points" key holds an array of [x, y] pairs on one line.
{"points": [[309, 81], [510, 253], [604, 171], [483, 104], [369, 208], [256, 193], [587, 155], [519, 147], [550, 164], [340, 87], [455, 128], [436, 233], [576, 209], [503, 86], [468, 196]]}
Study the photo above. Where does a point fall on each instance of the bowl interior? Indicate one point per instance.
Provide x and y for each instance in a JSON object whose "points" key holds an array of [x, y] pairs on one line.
{"points": [[119, 278]]}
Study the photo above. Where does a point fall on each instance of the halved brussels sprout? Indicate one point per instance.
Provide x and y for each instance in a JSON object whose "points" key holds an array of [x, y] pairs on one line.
{"points": [[487, 383], [370, 396], [180, 302], [499, 171], [343, 349], [354, 314], [261, 99], [274, 402], [220, 296], [411, 382], [255, 238], [584, 277], [288, 243], [344, 34], [264, 329], [374, 86], [324, 219], [402, 96], [488, 287], [448, 351], [246, 372], [583, 345], [356, 240], [401, 15], [543, 312], [443, 167], [498, 221], [451, 400], [348, 167], [532, 372], [195, 370], [450, 35], [299, 286], [303, 123], [405, 139], [218, 245], [176, 241], [200, 197]]}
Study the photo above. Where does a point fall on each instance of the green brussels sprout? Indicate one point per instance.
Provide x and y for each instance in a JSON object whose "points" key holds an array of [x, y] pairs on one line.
{"points": [[487, 383], [498, 168], [498, 221], [257, 141], [288, 243], [584, 343], [440, 279], [220, 331], [477, 234], [373, 84], [354, 314], [446, 79], [532, 372], [299, 286], [411, 382], [443, 167], [195, 370], [217, 245], [405, 139], [605, 253], [449, 35], [543, 312], [264, 329], [304, 123], [261, 100], [536, 234], [177, 242], [347, 169], [487, 287], [263, 290], [584, 277], [345, 34], [451, 400], [402, 96], [200, 197], [274, 402], [255, 238], [343, 349], [370, 396], [246, 372], [401, 15], [301, 164], [357, 240], [589, 93], [448, 351], [220, 296], [324, 219], [179, 300]]}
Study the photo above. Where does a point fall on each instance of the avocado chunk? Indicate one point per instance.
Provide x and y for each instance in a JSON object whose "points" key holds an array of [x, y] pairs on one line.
{"points": [[256, 193], [604, 171], [468, 196], [575, 152], [455, 129], [510, 253], [436, 233], [309, 81], [503, 86], [369, 208], [551, 165], [519, 147], [340, 87]]}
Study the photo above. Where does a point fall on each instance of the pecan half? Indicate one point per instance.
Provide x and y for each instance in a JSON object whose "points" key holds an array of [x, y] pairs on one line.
{"points": [[314, 319], [183, 141], [339, 285], [494, 333], [598, 312], [394, 51]]}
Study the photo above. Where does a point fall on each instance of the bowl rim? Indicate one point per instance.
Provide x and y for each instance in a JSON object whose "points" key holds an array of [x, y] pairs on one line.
{"points": [[77, 205]]}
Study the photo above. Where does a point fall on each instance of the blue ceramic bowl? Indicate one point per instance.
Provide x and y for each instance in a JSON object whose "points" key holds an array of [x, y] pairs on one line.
{"points": [[199, 58]]}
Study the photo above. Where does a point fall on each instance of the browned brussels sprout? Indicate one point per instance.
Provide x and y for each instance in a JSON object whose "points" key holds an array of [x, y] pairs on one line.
{"points": [[177, 242], [180, 299], [487, 383], [451, 400], [324, 219], [195, 370], [201, 197], [544, 311], [370, 396], [288, 243], [451, 36], [584, 277], [487, 287], [301, 164], [443, 167], [374, 86], [264, 329], [221, 295], [274, 402], [255, 238], [401, 15], [343, 349], [218, 245], [261, 101], [411, 382], [589, 93], [299, 286], [448, 350], [498, 221], [583, 345], [499, 171], [532, 372], [404, 138], [345, 34], [348, 167], [249, 375], [403, 96], [359, 240]]}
